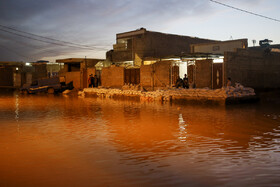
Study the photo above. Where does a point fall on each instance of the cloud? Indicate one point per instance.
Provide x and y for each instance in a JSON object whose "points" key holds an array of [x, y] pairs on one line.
{"points": [[89, 22], [94, 22]]}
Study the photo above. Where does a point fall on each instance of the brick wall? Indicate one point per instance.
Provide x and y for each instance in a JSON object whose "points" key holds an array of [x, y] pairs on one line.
{"points": [[91, 71], [112, 77], [203, 76], [119, 56], [6, 76], [146, 75], [161, 45], [40, 71], [162, 74], [17, 80], [256, 69], [75, 77], [157, 75], [155, 44]]}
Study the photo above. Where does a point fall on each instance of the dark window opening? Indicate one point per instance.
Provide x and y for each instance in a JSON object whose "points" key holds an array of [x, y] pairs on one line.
{"points": [[74, 67]]}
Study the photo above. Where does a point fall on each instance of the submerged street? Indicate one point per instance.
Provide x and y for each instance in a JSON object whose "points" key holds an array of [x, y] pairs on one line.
{"points": [[52, 140]]}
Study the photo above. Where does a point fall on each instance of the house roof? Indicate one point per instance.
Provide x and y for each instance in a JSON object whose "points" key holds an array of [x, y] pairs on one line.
{"points": [[12, 63], [221, 42], [78, 60], [144, 30]]}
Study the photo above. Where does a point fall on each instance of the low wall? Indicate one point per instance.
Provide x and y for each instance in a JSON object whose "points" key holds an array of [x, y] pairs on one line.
{"points": [[6, 77], [155, 75], [257, 69], [75, 77], [112, 77], [203, 76], [220, 96]]}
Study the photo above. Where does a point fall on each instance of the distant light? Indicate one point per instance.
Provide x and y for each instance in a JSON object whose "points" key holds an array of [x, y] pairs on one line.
{"points": [[16, 68], [27, 64], [200, 58], [218, 60]]}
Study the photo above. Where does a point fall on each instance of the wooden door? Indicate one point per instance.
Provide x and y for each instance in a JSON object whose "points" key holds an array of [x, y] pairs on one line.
{"points": [[217, 75], [191, 73], [175, 74]]}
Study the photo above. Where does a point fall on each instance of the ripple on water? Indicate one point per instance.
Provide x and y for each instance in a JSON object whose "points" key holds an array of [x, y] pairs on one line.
{"points": [[58, 140]]}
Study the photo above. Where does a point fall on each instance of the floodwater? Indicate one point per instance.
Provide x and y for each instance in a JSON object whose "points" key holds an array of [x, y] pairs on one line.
{"points": [[48, 140]]}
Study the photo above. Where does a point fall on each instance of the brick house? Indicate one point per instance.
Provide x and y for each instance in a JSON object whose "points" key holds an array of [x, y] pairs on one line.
{"points": [[78, 70]]}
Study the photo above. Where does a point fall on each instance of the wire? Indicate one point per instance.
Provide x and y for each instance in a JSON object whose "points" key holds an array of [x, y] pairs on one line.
{"points": [[53, 41], [18, 54], [86, 46], [277, 20], [39, 39], [27, 44], [45, 37]]}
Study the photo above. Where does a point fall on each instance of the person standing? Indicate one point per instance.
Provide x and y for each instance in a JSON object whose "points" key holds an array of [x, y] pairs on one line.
{"points": [[92, 80], [89, 81], [186, 82], [96, 80]]}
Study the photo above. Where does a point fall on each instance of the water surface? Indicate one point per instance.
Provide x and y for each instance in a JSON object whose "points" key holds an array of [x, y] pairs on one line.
{"points": [[48, 140]]}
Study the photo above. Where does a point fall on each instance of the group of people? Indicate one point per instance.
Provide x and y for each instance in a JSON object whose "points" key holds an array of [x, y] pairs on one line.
{"points": [[93, 81], [184, 83]]}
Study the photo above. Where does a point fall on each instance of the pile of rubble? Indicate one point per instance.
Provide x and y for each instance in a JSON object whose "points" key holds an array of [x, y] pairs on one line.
{"points": [[238, 91]]}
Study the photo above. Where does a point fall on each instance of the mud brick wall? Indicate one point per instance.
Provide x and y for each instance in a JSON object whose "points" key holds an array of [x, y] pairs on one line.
{"points": [[119, 56], [203, 77], [257, 69], [146, 75], [91, 71], [155, 44], [6, 76], [162, 74], [75, 77], [160, 45], [112, 77], [40, 71], [17, 80], [157, 74]]}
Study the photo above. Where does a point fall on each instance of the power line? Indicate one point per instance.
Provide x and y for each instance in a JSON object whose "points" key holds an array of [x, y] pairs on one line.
{"points": [[61, 41], [41, 50], [45, 37], [26, 44], [255, 14], [18, 54], [10, 32], [53, 41]]}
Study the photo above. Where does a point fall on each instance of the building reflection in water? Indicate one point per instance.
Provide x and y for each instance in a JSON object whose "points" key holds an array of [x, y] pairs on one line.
{"points": [[17, 110], [182, 129], [85, 141]]}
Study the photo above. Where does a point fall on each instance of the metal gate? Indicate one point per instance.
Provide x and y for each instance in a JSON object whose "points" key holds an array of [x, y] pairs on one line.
{"points": [[217, 75]]}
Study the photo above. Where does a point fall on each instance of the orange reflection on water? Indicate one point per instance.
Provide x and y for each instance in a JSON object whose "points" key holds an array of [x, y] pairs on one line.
{"points": [[57, 141]]}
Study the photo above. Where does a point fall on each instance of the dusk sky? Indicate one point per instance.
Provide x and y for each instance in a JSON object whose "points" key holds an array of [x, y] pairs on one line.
{"points": [[94, 23]]}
